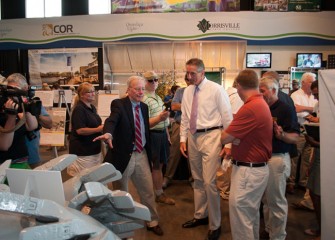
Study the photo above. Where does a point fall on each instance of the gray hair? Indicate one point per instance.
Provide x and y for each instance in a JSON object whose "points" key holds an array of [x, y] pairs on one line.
{"points": [[18, 79], [196, 62], [133, 78], [272, 74], [308, 75], [269, 83]]}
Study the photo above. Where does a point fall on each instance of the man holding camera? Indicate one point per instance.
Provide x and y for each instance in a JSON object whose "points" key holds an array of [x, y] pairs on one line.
{"points": [[14, 122], [160, 138]]}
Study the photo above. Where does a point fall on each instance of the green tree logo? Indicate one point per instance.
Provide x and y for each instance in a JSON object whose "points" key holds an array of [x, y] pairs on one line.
{"points": [[203, 25]]}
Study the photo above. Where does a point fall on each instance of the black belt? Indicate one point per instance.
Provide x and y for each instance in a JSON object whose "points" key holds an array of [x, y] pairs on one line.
{"points": [[248, 164], [158, 131], [208, 129]]}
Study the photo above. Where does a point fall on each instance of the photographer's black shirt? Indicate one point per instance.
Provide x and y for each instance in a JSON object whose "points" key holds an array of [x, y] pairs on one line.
{"points": [[18, 149], [286, 118]]}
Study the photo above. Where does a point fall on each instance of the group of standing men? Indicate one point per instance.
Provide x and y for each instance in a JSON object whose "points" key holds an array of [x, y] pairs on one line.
{"points": [[258, 140]]}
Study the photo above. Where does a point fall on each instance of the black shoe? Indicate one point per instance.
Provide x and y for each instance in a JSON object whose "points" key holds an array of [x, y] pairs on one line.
{"points": [[214, 234], [195, 222], [156, 230]]}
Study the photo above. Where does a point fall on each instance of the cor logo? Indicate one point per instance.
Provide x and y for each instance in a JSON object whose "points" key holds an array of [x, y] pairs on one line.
{"points": [[50, 29], [47, 29]]}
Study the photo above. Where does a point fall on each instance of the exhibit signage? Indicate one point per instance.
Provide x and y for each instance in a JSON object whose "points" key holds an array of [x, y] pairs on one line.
{"points": [[304, 5], [287, 5], [169, 26]]}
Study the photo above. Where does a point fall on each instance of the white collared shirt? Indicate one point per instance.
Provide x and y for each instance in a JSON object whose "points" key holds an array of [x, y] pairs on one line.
{"points": [[301, 98], [214, 108]]}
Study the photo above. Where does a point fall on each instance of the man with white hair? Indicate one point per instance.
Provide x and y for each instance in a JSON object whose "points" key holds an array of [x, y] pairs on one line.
{"points": [[304, 102], [286, 132], [126, 131]]}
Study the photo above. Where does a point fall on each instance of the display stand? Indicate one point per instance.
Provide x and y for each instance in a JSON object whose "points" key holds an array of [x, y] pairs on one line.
{"points": [[105, 97]]}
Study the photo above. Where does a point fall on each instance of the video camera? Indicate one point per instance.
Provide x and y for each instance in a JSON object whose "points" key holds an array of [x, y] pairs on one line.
{"points": [[32, 105]]}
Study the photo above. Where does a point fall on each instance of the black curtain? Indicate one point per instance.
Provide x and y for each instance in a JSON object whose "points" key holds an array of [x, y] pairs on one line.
{"points": [[74, 7], [14, 61], [11, 9], [23, 64], [327, 5], [100, 69], [9, 62]]}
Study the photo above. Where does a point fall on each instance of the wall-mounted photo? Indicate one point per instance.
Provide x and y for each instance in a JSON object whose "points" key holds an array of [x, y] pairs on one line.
{"points": [[160, 6], [67, 66]]}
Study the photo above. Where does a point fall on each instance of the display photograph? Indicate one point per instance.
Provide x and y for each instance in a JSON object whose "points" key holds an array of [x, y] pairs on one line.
{"points": [[63, 66]]}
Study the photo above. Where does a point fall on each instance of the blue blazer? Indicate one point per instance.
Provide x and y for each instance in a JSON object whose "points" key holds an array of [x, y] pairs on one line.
{"points": [[121, 125]]}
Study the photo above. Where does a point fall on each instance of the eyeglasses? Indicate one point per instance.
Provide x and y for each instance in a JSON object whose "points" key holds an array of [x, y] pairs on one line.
{"points": [[90, 91], [152, 80]]}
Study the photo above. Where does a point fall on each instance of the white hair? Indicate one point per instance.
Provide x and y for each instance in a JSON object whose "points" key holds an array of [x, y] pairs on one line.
{"points": [[269, 83], [133, 78], [18, 79], [308, 75]]}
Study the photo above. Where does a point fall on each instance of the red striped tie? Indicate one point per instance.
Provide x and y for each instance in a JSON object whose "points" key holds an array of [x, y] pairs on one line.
{"points": [[138, 133]]}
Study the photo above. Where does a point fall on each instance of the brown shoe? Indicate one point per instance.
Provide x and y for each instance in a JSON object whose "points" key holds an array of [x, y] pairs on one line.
{"points": [[164, 199], [156, 230], [299, 206]]}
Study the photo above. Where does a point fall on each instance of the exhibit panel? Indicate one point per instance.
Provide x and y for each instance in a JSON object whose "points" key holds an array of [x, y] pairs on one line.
{"points": [[327, 150]]}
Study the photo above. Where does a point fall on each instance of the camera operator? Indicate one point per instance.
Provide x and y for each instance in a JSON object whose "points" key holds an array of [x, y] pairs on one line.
{"points": [[13, 144]]}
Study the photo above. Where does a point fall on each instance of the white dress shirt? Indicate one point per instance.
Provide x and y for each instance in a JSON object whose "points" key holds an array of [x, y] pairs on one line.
{"points": [[214, 108], [235, 100], [301, 98]]}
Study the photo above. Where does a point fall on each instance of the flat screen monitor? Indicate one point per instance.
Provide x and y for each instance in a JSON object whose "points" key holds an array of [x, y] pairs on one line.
{"points": [[258, 60], [309, 60]]}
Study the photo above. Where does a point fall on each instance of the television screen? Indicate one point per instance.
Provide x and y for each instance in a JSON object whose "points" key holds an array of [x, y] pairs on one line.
{"points": [[258, 60], [309, 60]]}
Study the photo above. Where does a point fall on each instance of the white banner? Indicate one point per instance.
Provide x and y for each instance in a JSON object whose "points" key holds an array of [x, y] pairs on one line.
{"points": [[170, 26]]}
